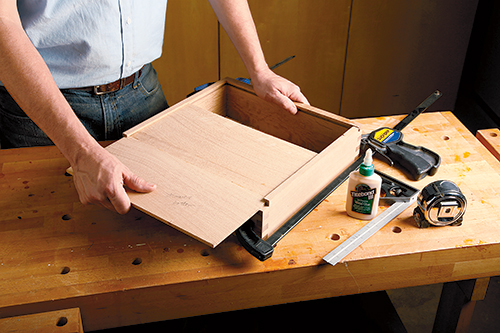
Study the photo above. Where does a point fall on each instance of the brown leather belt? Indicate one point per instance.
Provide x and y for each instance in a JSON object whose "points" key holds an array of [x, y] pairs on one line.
{"points": [[111, 87]]}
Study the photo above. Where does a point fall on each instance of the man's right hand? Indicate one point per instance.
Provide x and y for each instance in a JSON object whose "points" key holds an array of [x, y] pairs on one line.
{"points": [[100, 179]]}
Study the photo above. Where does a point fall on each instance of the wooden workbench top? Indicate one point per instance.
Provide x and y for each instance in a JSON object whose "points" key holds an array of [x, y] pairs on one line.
{"points": [[120, 270]]}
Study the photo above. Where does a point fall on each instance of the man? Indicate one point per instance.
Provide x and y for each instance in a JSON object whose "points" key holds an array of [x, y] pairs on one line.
{"points": [[60, 57]]}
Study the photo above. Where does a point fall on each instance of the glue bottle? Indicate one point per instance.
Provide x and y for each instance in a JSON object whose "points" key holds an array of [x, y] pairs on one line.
{"points": [[363, 192]]}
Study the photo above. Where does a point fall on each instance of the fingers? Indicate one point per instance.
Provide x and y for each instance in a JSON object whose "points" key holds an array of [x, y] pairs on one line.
{"points": [[297, 96], [282, 101], [111, 195], [285, 99], [101, 180], [288, 99], [279, 91], [137, 184], [120, 200], [116, 197]]}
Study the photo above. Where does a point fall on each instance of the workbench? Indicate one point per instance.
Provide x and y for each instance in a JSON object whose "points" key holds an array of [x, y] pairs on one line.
{"points": [[58, 254]]}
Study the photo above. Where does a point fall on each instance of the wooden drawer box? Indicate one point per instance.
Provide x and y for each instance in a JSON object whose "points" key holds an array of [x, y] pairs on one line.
{"points": [[223, 156]]}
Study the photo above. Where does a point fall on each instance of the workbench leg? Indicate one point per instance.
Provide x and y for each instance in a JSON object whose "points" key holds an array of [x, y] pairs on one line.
{"points": [[456, 304], [381, 312]]}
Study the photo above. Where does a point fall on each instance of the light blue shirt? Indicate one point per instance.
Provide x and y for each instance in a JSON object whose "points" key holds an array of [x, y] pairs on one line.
{"points": [[92, 42]]}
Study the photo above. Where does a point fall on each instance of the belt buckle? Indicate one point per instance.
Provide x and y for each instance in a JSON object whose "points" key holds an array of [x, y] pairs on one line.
{"points": [[113, 86], [98, 92]]}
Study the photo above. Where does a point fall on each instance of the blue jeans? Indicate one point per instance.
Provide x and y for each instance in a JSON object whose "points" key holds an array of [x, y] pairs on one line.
{"points": [[106, 116]]}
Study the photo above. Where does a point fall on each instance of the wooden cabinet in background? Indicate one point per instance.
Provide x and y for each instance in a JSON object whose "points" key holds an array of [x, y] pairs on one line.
{"points": [[314, 31], [190, 49], [354, 58], [399, 52], [485, 76]]}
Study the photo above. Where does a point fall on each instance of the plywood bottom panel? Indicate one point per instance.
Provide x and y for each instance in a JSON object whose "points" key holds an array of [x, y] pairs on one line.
{"points": [[211, 172]]}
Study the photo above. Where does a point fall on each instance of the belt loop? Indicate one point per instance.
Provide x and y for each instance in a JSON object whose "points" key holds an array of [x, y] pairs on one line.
{"points": [[136, 78]]}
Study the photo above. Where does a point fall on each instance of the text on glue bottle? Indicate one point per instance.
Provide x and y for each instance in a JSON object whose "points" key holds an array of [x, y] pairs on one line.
{"points": [[363, 191]]}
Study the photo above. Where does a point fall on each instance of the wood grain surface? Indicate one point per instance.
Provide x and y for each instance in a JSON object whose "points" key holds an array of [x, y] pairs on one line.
{"points": [[121, 270], [63, 321]]}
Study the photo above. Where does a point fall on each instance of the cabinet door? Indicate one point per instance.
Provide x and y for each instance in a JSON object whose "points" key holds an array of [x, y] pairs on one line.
{"points": [[399, 52], [485, 78], [314, 31], [190, 49]]}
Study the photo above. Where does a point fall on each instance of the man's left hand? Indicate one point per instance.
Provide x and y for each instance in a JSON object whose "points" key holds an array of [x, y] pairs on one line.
{"points": [[278, 90]]}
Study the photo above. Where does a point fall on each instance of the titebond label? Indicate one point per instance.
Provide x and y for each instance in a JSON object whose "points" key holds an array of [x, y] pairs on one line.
{"points": [[362, 199]]}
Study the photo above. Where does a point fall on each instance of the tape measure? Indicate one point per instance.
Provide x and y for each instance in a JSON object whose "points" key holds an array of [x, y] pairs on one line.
{"points": [[440, 203]]}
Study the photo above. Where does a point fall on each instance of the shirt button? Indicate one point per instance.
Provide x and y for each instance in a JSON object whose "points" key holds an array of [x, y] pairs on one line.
{"points": [[129, 63], [129, 20]]}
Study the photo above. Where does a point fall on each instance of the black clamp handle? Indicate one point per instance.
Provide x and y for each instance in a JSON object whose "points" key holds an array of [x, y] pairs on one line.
{"points": [[415, 162]]}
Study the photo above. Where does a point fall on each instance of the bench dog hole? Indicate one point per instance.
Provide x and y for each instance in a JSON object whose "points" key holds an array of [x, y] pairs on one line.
{"points": [[396, 230], [137, 261], [62, 321], [66, 217], [65, 270]]}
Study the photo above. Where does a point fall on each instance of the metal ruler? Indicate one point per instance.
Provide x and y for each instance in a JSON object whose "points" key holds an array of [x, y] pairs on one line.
{"points": [[399, 194]]}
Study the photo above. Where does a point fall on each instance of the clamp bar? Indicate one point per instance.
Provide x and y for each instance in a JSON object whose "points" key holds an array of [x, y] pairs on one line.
{"points": [[418, 110], [263, 249]]}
